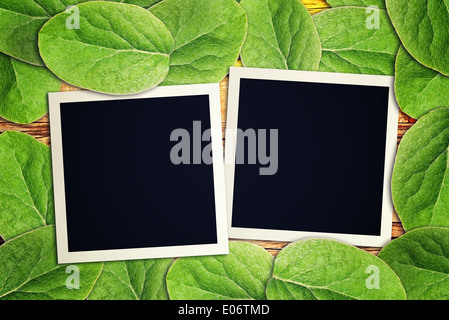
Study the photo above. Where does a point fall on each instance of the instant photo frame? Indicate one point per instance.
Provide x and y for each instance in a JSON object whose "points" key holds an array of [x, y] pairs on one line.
{"points": [[118, 194], [335, 137]]}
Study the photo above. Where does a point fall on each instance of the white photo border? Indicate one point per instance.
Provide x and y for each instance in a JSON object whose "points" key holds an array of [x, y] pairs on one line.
{"points": [[63, 253], [237, 73]]}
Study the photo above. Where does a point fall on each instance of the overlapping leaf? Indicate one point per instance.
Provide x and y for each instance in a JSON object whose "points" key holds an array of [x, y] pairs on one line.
{"points": [[29, 270], [242, 274], [26, 186], [419, 89], [21, 20], [354, 41], [281, 35], [420, 182], [118, 49], [24, 89], [423, 27], [208, 36], [319, 269], [421, 260], [132, 280]]}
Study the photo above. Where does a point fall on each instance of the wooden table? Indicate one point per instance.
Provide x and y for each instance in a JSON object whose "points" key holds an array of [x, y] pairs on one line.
{"points": [[41, 131]]}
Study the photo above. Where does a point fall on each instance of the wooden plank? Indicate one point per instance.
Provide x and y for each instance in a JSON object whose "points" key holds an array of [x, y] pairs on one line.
{"points": [[41, 131]]}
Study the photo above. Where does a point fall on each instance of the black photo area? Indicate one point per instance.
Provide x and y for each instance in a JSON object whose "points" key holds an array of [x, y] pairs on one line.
{"points": [[332, 140], [122, 190]]}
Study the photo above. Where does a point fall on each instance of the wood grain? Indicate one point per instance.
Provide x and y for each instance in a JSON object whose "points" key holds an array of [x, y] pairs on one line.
{"points": [[41, 131]]}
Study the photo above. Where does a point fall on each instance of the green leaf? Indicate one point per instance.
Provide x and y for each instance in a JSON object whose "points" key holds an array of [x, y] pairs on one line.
{"points": [[421, 260], [242, 274], [423, 27], [349, 46], [21, 20], [132, 280], [357, 3], [24, 89], [419, 89], [118, 48], [29, 270], [420, 182], [281, 35], [318, 269], [208, 37], [26, 186], [142, 3]]}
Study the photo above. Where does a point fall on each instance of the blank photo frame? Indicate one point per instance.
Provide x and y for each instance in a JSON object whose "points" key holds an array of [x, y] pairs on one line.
{"points": [[129, 178], [310, 155]]}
